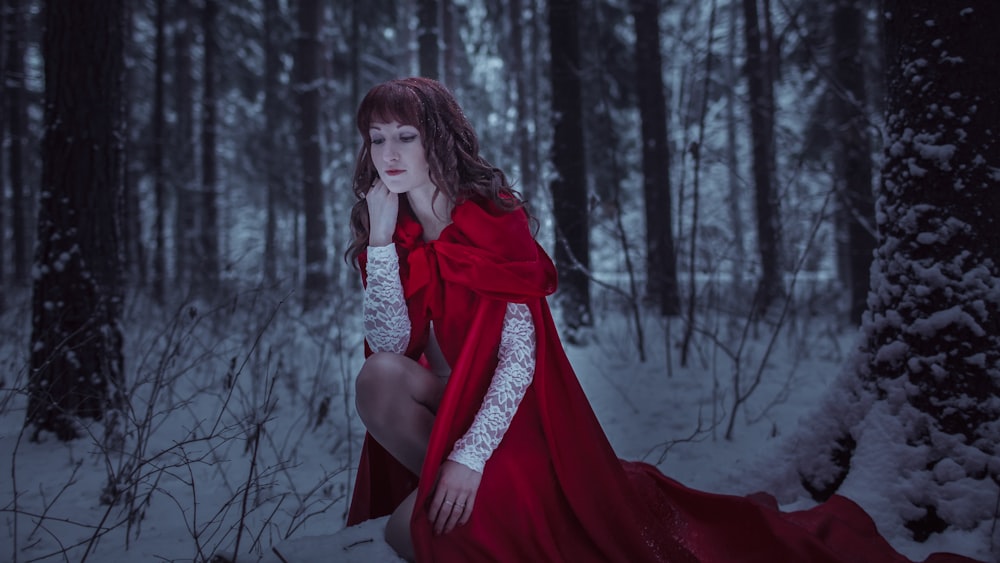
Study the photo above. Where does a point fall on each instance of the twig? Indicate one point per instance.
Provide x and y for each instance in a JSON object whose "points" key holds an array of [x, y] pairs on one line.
{"points": [[246, 490], [740, 398]]}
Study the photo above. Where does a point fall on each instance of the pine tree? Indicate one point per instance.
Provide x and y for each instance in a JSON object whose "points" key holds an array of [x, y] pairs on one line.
{"points": [[76, 342]]}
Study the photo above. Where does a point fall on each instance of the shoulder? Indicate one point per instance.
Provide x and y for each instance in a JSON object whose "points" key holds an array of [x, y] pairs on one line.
{"points": [[485, 224]]}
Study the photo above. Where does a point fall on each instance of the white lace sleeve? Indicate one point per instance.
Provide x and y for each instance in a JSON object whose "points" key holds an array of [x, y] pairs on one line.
{"points": [[514, 374], [387, 322]]}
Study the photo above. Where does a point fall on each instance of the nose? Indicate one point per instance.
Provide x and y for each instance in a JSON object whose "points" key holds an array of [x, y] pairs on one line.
{"points": [[391, 153]]}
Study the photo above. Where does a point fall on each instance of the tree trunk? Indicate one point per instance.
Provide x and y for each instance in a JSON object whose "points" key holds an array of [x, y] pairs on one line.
{"points": [[762, 130], [308, 74], [569, 186], [661, 261], [271, 172], [735, 178], [183, 171], [14, 91], [939, 241], [853, 158], [209, 231], [427, 38], [76, 343], [135, 255], [926, 373], [519, 71], [449, 34], [159, 181], [6, 32]]}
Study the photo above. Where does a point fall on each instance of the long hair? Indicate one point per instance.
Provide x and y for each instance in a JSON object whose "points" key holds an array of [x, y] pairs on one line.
{"points": [[451, 147]]}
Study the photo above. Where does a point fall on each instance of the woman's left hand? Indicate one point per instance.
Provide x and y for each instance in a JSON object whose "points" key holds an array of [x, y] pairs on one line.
{"points": [[453, 497]]}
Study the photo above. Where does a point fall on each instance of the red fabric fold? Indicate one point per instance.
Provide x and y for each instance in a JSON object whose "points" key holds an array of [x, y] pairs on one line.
{"points": [[554, 490]]}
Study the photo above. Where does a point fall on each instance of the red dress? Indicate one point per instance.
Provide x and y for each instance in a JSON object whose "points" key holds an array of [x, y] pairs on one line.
{"points": [[554, 490]]}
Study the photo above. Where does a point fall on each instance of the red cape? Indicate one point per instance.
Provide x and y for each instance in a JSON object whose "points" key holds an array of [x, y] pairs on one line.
{"points": [[554, 490]]}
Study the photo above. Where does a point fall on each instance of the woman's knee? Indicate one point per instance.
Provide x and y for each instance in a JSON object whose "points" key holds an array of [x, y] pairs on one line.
{"points": [[379, 377]]}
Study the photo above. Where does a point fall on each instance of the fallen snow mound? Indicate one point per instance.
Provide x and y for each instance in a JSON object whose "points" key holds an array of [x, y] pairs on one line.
{"points": [[362, 543]]}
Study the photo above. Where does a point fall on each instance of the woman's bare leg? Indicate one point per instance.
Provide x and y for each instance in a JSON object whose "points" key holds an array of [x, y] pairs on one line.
{"points": [[396, 399], [397, 530]]}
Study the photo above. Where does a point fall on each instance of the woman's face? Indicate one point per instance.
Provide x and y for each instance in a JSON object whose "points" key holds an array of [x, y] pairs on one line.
{"points": [[398, 154]]}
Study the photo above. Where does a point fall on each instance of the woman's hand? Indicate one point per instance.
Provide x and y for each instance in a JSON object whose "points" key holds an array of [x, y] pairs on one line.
{"points": [[453, 497], [383, 207]]}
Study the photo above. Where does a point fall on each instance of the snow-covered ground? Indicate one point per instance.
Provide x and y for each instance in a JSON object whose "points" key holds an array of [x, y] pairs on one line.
{"points": [[244, 433]]}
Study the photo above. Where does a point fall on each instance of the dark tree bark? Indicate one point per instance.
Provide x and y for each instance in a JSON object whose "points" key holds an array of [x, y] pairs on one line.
{"points": [[159, 180], [308, 74], [6, 31], [519, 69], [428, 30], [930, 358], [569, 187], [661, 261], [135, 254], [183, 169], [76, 344], [735, 182], [853, 160], [938, 257], [758, 73], [209, 232], [449, 34], [16, 113], [271, 84], [606, 83]]}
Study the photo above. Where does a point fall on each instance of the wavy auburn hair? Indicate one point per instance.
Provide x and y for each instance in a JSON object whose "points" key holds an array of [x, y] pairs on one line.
{"points": [[451, 148]]}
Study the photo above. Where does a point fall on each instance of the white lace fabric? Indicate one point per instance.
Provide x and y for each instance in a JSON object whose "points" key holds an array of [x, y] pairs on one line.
{"points": [[387, 322], [387, 329], [514, 374]]}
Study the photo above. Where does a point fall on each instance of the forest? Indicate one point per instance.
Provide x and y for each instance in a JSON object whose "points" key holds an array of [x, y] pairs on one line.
{"points": [[727, 187]]}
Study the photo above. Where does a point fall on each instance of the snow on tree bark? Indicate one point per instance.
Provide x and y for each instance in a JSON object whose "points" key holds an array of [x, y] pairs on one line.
{"points": [[918, 408], [932, 328], [76, 342]]}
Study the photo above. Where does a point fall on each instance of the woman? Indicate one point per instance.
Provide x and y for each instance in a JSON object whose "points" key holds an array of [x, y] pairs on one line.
{"points": [[481, 444]]}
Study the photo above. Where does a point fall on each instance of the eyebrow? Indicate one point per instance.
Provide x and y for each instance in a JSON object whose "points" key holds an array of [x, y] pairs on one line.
{"points": [[376, 128]]}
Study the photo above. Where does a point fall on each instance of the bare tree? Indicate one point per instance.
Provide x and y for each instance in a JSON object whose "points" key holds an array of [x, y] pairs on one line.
{"points": [[520, 69], [661, 260], [134, 166], [5, 32], [14, 94], [272, 65], [308, 75], [209, 228], [569, 187], [428, 22], [735, 183], [758, 72], [76, 342], [853, 160], [183, 169], [159, 179]]}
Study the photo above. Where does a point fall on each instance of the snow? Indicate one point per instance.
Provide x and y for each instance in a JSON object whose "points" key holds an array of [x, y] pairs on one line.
{"points": [[234, 445]]}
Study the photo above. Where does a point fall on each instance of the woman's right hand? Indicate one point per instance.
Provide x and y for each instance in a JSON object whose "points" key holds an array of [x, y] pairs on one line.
{"points": [[383, 207]]}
